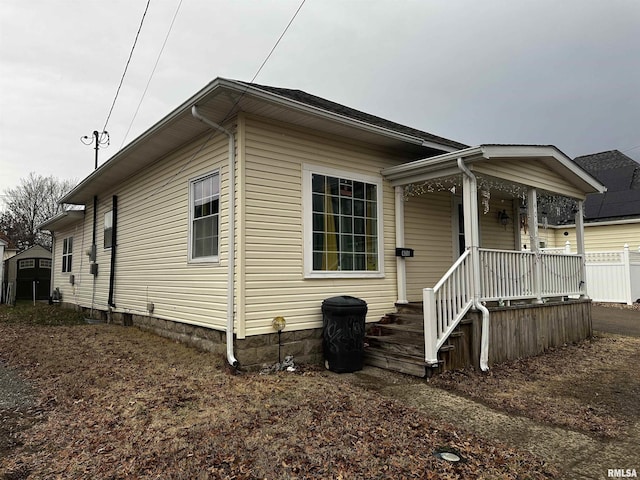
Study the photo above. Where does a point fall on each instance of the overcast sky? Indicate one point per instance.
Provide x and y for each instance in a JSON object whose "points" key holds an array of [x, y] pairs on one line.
{"points": [[565, 72]]}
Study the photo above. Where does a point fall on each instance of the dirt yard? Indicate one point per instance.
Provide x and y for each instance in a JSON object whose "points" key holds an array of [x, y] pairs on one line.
{"points": [[105, 401], [592, 387], [116, 402]]}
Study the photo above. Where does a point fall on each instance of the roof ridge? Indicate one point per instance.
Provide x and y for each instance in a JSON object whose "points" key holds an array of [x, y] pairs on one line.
{"points": [[353, 113]]}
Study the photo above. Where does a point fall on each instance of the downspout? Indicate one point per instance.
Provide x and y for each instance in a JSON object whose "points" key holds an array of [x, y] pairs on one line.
{"points": [[114, 229], [231, 268], [477, 304]]}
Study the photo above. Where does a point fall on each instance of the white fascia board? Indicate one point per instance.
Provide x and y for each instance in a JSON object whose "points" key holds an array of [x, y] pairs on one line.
{"points": [[62, 219], [404, 173], [150, 132], [544, 151]]}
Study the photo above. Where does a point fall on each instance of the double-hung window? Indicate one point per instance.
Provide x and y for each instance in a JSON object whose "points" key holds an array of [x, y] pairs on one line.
{"points": [[67, 254], [205, 218], [343, 227]]}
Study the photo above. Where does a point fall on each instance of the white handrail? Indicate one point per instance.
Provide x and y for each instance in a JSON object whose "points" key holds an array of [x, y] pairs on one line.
{"points": [[445, 305]]}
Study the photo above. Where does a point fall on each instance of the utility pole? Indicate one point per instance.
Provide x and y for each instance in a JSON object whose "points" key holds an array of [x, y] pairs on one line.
{"points": [[97, 138]]}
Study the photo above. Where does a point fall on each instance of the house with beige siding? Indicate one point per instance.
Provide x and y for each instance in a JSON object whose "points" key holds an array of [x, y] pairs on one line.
{"points": [[247, 203]]}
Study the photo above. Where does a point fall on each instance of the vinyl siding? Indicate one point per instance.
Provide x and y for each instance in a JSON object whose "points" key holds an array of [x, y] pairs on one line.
{"points": [[601, 238], [429, 226], [152, 243], [534, 174], [272, 266], [79, 263], [493, 234]]}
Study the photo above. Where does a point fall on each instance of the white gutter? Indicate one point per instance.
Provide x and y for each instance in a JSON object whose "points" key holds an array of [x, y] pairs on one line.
{"points": [[475, 247], [231, 267]]}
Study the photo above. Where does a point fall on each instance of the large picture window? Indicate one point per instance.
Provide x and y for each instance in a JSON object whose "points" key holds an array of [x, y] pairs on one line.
{"points": [[205, 217], [345, 221], [67, 254]]}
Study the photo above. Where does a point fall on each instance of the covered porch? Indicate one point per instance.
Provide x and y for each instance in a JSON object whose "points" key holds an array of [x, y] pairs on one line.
{"points": [[462, 213]]}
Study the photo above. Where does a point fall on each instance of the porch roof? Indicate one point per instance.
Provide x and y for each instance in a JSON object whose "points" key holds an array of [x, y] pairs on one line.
{"points": [[62, 220], [446, 165]]}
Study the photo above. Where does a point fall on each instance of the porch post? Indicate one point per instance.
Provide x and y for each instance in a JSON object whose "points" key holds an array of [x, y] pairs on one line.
{"points": [[579, 219], [471, 228], [534, 239], [401, 271]]}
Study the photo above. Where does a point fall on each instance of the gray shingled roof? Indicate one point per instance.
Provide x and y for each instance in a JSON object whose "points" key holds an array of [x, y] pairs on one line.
{"points": [[318, 102], [621, 175]]}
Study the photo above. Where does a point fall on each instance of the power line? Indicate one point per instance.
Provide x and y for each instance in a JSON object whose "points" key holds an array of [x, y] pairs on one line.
{"points": [[226, 117], [278, 41], [166, 38], [629, 149], [135, 41]]}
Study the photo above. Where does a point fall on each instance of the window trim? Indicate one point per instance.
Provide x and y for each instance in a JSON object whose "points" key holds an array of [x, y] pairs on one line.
{"points": [[309, 272], [213, 258], [24, 261], [45, 260], [67, 256]]}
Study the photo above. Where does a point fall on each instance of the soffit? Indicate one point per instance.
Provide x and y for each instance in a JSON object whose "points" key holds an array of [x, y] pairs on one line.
{"points": [[220, 101]]}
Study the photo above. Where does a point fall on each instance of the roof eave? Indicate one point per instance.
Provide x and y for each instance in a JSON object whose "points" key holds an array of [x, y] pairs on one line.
{"points": [[62, 220], [79, 194]]}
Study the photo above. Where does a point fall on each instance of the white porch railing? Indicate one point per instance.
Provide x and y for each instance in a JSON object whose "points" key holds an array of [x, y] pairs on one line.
{"points": [[505, 275], [446, 304]]}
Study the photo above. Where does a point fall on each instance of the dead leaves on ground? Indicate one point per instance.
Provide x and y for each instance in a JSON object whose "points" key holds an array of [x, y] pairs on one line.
{"points": [[590, 387], [121, 403]]}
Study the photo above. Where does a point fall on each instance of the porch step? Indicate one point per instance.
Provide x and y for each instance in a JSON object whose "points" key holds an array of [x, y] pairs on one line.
{"points": [[397, 362], [411, 307], [404, 318], [390, 328], [391, 344]]}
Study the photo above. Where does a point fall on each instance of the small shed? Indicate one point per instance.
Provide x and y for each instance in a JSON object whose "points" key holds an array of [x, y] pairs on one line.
{"points": [[29, 271]]}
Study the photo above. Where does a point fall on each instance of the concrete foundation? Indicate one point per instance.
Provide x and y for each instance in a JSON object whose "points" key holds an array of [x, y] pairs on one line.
{"points": [[252, 352]]}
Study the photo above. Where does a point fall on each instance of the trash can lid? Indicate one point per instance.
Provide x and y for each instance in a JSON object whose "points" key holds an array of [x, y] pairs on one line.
{"points": [[344, 300]]}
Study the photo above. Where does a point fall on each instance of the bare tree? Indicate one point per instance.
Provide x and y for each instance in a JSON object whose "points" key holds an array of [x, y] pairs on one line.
{"points": [[29, 204]]}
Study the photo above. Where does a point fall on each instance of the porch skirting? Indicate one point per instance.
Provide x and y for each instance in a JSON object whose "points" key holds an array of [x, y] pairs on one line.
{"points": [[524, 330], [252, 352]]}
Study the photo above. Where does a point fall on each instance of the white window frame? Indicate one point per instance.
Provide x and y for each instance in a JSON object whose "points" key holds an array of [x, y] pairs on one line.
{"points": [[26, 263], [212, 258], [45, 263], [67, 254], [309, 272]]}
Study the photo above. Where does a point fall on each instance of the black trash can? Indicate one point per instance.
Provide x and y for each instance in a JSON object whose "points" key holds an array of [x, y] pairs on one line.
{"points": [[343, 333]]}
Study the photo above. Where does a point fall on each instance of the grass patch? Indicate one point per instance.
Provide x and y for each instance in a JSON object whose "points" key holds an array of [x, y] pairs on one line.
{"points": [[25, 312], [591, 387]]}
